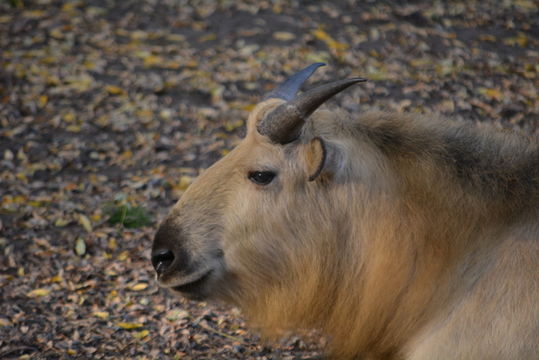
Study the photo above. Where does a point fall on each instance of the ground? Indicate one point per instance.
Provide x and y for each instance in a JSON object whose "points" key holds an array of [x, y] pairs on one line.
{"points": [[118, 105]]}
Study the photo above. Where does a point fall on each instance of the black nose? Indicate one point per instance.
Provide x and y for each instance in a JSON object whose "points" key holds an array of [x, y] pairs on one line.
{"points": [[161, 260]]}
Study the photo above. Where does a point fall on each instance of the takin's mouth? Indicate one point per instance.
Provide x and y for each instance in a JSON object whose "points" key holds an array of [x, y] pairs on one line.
{"points": [[193, 287]]}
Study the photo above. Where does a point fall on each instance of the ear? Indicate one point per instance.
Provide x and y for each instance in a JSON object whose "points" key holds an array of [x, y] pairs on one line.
{"points": [[315, 157]]}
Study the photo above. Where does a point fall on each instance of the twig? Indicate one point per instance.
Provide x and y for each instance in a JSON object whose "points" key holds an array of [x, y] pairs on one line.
{"points": [[205, 326]]}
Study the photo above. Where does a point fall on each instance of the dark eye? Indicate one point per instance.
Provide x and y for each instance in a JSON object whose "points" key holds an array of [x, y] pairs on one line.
{"points": [[261, 177]]}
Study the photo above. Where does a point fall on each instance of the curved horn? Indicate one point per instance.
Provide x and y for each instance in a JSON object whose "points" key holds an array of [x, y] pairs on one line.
{"points": [[283, 125], [288, 89]]}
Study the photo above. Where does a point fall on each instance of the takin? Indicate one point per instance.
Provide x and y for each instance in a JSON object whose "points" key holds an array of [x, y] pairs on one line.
{"points": [[397, 236]]}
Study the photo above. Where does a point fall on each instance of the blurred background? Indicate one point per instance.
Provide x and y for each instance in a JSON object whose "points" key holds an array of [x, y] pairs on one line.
{"points": [[109, 109]]}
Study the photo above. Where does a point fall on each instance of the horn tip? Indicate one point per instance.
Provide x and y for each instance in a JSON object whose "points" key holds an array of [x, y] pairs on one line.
{"points": [[288, 89]]}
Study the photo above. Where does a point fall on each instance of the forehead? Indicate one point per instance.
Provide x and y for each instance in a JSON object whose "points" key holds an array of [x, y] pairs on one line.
{"points": [[256, 150]]}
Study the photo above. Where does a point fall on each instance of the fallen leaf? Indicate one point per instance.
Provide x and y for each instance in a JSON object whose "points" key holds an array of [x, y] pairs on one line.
{"points": [[207, 37], [232, 125], [38, 292], [101, 314], [43, 99], [283, 36], [184, 183], [153, 60], [61, 222], [69, 117], [336, 47], [56, 279], [177, 314], [114, 90], [123, 255], [85, 222], [139, 287], [141, 334], [112, 244], [129, 325], [80, 247], [491, 93]]}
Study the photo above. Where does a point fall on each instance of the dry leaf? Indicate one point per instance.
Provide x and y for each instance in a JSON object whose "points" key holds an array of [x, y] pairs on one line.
{"points": [[139, 287], [114, 90], [153, 60], [56, 279], [283, 36], [61, 222], [129, 325], [177, 314], [80, 246], [184, 183], [43, 99], [101, 314], [38, 292], [491, 93], [207, 37], [336, 47], [85, 222], [141, 334]]}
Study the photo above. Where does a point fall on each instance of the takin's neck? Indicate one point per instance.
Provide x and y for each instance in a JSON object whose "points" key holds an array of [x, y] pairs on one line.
{"points": [[456, 186]]}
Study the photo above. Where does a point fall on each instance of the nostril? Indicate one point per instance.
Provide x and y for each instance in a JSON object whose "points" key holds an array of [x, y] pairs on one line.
{"points": [[161, 260]]}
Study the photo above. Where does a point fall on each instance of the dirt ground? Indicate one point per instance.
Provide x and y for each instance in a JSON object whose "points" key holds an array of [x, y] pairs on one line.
{"points": [[119, 104]]}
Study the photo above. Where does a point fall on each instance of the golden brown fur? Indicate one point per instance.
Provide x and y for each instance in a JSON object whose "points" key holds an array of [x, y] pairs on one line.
{"points": [[418, 240]]}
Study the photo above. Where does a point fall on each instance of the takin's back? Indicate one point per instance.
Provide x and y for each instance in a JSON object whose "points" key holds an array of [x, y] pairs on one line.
{"points": [[500, 167]]}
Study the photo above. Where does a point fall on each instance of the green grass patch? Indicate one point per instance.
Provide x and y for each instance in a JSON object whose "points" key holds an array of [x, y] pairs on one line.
{"points": [[130, 216]]}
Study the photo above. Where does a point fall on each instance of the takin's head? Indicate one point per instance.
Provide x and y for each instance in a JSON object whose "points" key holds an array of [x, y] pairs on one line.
{"points": [[259, 220]]}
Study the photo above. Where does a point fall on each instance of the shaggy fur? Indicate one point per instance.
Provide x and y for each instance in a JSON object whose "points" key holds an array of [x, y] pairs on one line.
{"points": [[417, 238]]}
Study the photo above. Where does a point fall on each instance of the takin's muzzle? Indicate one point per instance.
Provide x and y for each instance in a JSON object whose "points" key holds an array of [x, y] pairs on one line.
{"points": [[167, 253]]}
